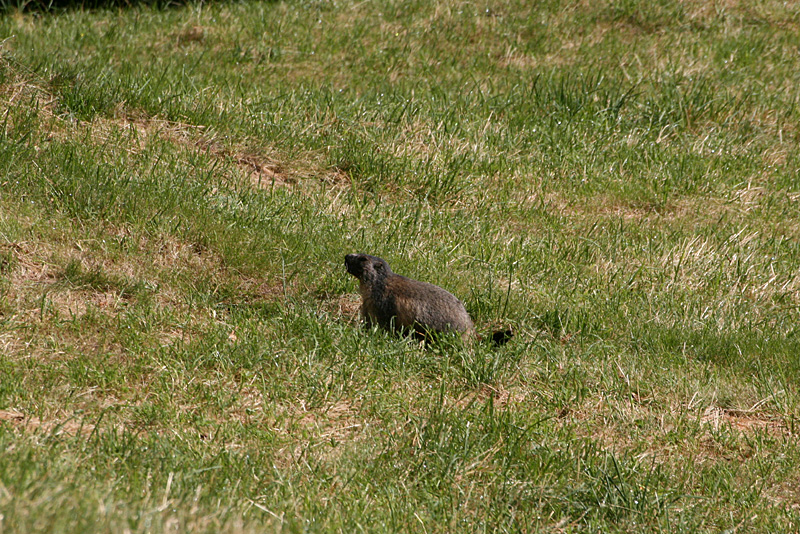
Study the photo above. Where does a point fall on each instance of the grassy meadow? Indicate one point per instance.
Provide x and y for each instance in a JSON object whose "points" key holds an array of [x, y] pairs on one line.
{"points": [[619, 181]]}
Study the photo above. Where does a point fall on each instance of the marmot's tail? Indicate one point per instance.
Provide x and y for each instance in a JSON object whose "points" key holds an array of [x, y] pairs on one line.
{"points": [[501, 337]]}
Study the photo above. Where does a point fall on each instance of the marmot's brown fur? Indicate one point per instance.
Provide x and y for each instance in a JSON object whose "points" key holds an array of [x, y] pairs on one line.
{"points": [[398, 303]]}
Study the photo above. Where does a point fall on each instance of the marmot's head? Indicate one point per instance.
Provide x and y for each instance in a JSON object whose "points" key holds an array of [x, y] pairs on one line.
{"points": [[367, 268]]}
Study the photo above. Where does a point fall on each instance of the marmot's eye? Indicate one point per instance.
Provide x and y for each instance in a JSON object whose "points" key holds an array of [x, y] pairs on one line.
{"points": [[378, 266]]}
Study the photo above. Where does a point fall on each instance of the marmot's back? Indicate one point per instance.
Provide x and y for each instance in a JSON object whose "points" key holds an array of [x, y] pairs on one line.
{"points": [[428, 305], [396, 302]]}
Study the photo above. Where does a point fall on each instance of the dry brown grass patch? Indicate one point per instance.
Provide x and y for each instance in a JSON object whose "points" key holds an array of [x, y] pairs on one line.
{"points": [[786, 494], [571, 51], [606, 421], [190, 35], [336, 422], [772, 11], [26, 267], [170, 254], [347, 306], [694, 258], [609, 422], [37, 288], [77, 303], [744, 421], [501, 396], [261, 170], [34, 278], [608, 206], [69, 426]]}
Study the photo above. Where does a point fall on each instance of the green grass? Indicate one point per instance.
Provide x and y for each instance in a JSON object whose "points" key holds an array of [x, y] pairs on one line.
{"points": [[179, 345]]}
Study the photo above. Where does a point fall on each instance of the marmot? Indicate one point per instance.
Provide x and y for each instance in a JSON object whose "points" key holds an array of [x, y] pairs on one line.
{"points": [[398, 303]]}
